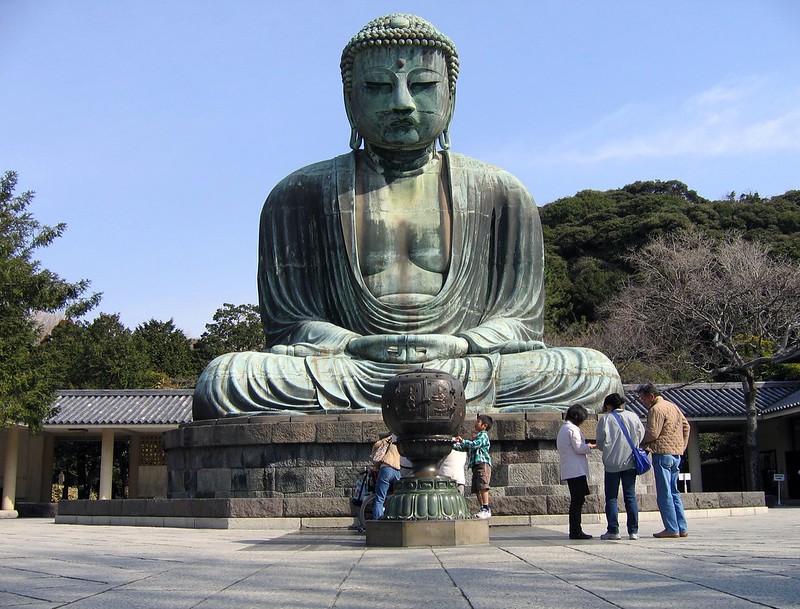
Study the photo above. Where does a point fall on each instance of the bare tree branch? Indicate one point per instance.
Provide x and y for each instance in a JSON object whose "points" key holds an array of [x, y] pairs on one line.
{"points": [[726, 303]]}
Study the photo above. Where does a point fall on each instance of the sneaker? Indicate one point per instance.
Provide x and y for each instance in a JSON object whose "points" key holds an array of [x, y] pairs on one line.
{"points": [[484, 514], [666, 535], [633, 536], [580, 536], [684, 533], [610, 536]]}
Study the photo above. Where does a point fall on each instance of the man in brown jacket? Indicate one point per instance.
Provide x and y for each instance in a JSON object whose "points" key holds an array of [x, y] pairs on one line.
{"points": [[666, 437]]}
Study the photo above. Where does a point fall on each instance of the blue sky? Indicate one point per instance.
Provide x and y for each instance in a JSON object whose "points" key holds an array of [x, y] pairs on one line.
{"points": [[155, 129]]}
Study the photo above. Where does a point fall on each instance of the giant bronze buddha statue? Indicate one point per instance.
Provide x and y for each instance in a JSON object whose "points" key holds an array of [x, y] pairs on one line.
{"points": [[400, 255]]}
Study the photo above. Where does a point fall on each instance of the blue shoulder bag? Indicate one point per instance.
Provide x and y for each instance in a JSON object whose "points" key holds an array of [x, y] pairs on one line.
{"points": [[640, 459]]}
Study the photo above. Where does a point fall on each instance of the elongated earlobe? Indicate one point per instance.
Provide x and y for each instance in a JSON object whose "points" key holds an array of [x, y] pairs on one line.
{"points": [[444, 137], [444, 140], [355, 138]]}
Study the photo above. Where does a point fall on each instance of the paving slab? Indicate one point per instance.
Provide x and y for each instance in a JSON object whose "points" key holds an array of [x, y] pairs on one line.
{"points": [[744, 561]]}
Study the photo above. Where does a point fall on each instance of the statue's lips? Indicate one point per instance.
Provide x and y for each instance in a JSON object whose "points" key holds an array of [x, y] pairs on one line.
{"points": [[407, 123]]}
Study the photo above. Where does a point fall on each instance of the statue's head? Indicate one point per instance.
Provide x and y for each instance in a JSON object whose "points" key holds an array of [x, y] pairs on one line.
{"points": [[399, 77]]}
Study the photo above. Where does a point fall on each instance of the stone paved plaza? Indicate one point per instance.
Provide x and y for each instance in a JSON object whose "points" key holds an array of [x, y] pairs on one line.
{"points": [[727, 563]]}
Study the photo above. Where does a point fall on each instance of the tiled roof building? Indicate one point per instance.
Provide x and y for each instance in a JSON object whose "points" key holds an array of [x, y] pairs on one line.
{"points": [[122, 407]]}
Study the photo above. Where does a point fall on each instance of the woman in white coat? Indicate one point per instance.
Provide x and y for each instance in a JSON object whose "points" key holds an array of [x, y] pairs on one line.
{"points": [[572, 451]]}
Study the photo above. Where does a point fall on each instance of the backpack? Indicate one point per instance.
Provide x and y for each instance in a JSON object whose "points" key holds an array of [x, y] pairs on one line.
{"points": [[380, 450]]}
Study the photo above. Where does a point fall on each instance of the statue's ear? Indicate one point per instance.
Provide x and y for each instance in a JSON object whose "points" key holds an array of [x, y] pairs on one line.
{"points": [[347, 108], [444, 137], [452, 108], [355, 137]]}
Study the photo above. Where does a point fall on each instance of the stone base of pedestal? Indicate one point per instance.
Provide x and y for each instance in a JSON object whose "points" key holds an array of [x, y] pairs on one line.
{"points": [[432, 498], [226, 514], [416, 533], [8, 513]]}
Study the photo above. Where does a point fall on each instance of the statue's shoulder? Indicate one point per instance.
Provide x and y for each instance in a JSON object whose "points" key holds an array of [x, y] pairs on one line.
{"points": [[483, 171], [467, 163], [307, 184], [316, 173]]}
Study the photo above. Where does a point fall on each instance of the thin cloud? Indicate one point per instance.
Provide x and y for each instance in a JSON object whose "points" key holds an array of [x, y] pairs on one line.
{"points": [[742, 118]]}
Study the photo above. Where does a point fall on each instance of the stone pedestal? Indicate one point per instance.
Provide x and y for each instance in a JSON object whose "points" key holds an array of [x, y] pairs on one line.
{"points": [[416, 533], [307, 465]]}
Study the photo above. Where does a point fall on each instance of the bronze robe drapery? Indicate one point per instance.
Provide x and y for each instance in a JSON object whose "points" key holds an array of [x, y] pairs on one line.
{"points": [[309, 273], [314, 300]]}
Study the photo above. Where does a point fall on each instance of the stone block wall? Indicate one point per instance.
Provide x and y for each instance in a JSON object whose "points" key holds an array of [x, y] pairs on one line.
{"points": [[309, 464]]}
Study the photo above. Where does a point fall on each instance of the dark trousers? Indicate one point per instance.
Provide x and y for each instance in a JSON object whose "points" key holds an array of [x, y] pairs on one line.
{"points": [[578, 489]]}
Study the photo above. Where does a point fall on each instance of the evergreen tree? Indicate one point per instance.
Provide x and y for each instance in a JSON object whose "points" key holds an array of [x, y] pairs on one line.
{"points": [[235, 328], [168, 351], [26, 387], [101, 354]]}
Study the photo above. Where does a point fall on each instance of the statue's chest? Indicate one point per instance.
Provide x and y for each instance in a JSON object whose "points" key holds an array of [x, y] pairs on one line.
{"points": [[407, 221], [402, 235]]}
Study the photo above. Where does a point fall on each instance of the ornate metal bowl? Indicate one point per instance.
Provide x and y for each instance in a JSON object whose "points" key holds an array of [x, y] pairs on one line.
{"points": [[425, 409]]}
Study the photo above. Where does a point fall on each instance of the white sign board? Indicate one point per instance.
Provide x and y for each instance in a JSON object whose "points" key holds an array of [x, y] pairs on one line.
{"points": [[778, 477]]}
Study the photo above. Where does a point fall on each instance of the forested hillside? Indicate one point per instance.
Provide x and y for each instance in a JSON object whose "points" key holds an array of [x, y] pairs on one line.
{"points": [[588, 235]]}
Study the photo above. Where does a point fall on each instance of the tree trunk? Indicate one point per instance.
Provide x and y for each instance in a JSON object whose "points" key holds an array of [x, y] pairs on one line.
{"points": [[752, 469]]}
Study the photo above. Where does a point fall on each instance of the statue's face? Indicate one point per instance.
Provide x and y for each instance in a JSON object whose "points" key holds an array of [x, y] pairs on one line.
{"points": [[400, 97]]}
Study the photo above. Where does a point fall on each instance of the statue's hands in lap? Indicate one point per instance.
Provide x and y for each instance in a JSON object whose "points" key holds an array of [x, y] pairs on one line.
{"points": [[300, 350], [407, 348], [507, 347], [520, 346]]}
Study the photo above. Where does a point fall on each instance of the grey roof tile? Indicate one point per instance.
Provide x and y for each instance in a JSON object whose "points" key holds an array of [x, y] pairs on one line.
{"points": [[122, 407], [719, 400], [790, 401]]}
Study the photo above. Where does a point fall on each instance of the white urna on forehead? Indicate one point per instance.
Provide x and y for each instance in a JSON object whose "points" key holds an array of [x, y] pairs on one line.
{"points": [[399, 31]]}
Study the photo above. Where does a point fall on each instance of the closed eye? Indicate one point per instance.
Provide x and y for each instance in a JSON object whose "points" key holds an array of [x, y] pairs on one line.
{"points": [[378, 86], [422, 86]]}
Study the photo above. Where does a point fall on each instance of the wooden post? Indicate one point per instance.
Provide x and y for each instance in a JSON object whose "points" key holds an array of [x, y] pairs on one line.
{"points": [[134, 460], [693, 453], [106, 463], [10, 472], [48, 454]]}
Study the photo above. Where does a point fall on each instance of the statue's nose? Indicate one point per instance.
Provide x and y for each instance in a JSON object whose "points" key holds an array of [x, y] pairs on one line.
{"points": [[402, 100]]}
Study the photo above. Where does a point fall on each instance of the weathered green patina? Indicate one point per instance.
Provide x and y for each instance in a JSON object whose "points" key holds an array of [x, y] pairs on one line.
{"points": [[400, 255]]}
